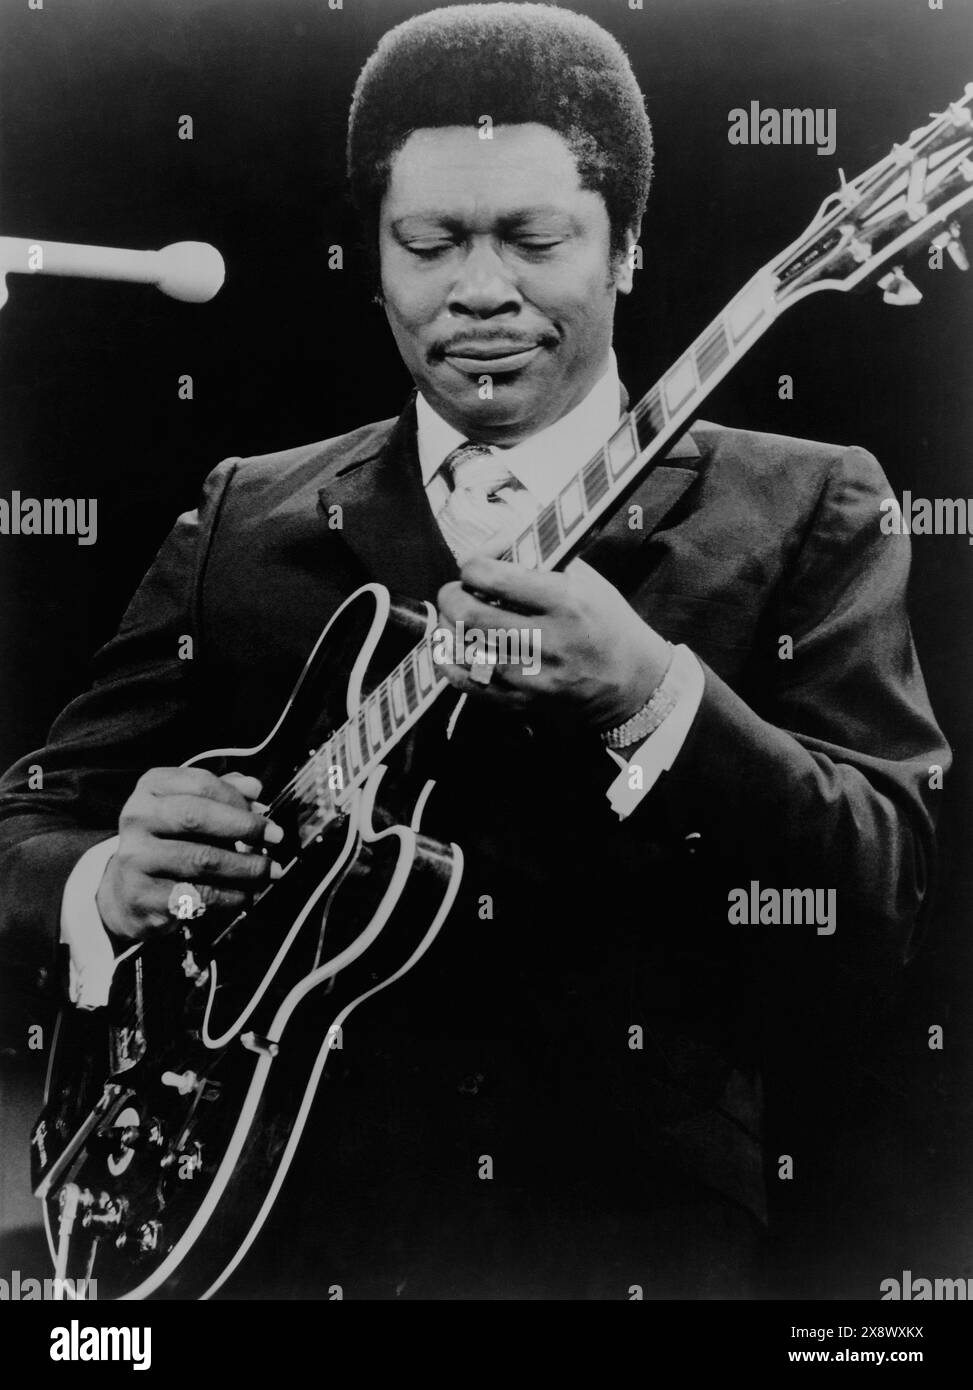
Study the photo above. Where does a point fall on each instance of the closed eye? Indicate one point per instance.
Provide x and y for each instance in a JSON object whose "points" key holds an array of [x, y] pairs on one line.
{"points": [[429, 250], [429, 246]]}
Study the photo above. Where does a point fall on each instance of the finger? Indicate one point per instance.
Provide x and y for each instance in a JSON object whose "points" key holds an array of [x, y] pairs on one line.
{"points": [[515, 653], [197, 781], [457, 604], [154, 909], [184, 817], [593, 580], [498, 692], [248, 786], [520, 589], [500, 544], [216, 899], [203, 863]]}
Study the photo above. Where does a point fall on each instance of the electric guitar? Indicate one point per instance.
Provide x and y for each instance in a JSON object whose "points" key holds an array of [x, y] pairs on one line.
{"points": [[172, 1115]]}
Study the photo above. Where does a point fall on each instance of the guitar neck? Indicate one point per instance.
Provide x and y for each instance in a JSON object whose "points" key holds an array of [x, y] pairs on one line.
{"points": [[560, 529], [364, 741]]}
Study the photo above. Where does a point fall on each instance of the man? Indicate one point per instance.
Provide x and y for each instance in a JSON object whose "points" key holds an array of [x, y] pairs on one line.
{"points": [[565, 1099]]}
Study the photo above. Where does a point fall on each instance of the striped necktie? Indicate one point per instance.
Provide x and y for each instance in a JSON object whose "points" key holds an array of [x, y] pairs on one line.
{"points": [[484, 499]]}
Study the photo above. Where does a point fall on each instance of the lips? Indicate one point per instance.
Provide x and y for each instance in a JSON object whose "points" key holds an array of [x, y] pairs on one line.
{"points": [[491, 356]]}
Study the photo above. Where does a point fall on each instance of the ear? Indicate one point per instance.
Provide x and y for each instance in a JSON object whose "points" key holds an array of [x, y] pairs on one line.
{"points": [[624, 273]]}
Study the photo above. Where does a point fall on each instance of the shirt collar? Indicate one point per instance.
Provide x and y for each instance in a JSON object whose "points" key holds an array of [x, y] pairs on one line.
{"points": [[543, 460]]}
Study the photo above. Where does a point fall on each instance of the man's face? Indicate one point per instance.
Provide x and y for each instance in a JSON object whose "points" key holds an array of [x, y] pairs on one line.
{"points": [[495, 264]]}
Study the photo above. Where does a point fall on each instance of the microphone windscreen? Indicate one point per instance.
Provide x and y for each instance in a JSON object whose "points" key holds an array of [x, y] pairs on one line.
{"points": [[190, 270]]}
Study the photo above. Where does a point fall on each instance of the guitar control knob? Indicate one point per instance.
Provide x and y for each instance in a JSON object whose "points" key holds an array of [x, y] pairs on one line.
{"points": [[148, 1235], [181, 1081], [111, 1213]]}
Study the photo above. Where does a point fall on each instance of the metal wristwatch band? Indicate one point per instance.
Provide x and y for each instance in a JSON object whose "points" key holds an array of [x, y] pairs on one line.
{"points": [[646, 720]]}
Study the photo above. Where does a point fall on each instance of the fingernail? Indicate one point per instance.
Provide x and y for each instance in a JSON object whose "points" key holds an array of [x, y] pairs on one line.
{"points": [[273, 834], [276, 870], [245, 777]]}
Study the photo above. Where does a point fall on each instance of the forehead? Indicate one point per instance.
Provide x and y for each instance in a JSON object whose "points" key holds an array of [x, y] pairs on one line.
{"points": [[452, 172]]}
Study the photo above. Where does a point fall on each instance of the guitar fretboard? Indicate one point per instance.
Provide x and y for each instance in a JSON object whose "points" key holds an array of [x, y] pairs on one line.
{"points": [[323, 785]]}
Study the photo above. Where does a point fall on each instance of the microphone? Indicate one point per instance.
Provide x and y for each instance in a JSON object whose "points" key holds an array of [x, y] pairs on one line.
{"points": [[192, 271]]}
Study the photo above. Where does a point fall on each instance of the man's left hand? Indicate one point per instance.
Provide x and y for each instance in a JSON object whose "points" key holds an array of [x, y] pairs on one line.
{"points": [[598, 661]]}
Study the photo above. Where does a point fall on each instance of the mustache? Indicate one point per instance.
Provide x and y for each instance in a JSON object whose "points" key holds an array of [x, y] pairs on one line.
{"points": [[543, 338]]}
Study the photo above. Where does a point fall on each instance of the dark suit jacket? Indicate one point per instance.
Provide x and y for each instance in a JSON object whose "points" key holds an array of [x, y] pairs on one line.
{"points": [[808, 769]]}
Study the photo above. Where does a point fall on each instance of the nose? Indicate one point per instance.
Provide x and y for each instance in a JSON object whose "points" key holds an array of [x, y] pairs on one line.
{"points": [[484, 286]]}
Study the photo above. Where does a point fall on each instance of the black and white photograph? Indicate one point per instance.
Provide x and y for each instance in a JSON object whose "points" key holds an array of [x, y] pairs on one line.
{"points": [[486, 546]]}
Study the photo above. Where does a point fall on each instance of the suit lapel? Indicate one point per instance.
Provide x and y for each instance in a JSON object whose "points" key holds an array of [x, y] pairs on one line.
{"points": [[616, 543], [386, 519]]}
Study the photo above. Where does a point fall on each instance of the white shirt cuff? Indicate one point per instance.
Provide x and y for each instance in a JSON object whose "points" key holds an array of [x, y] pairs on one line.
{"points": [[92, 960], [642, 766]]}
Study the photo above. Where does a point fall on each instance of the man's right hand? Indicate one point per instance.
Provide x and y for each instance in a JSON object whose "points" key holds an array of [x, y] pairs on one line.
{"points": [[181, 824]]}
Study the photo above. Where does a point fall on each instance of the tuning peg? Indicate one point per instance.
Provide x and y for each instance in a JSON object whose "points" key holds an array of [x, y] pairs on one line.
{"points": [[858, 249], [949, 241], [898, 289], [849, 195], [181, 1081]]}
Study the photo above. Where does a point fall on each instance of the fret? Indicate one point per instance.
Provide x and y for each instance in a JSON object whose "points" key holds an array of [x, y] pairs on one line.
{"points": [[650, 418], [339, 744], [746, 310], [594, 476], [424, 668], [318, 764], [680, 384], [712, 352], [386, 713], [352, 747], [409, 680], [323, 764], [571, 505], [548, 531], [362, 723], [526, 549], [621, 448], [397, 692], [374, 724]]}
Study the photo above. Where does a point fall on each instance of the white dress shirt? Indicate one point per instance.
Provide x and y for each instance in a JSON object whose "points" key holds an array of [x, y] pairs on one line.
{"points": [[544, 464]]}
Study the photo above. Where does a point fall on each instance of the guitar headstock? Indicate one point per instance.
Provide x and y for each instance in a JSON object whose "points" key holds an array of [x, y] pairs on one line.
{"points": [[915, 196]]}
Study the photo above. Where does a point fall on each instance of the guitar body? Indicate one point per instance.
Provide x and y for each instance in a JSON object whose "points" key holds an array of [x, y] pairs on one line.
{"points": [[191, 1090]]}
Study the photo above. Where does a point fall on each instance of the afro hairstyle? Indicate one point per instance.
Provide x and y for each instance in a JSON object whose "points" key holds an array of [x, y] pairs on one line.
{"points": [[518, 63]]}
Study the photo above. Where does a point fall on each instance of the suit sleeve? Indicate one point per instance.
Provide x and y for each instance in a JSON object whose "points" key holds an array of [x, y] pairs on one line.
{"points": [[825, 774], [138, 712]]}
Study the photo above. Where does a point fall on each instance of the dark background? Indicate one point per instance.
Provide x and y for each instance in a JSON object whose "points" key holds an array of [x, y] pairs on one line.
{"points": [[91, 92]]}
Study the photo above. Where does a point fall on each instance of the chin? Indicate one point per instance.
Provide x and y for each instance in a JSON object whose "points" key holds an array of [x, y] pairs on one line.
{"points": [[512, 404]]}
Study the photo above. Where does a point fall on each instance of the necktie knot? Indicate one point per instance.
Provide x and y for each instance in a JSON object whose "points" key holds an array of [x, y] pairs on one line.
{"points": [[480, 469], [485, 497]]}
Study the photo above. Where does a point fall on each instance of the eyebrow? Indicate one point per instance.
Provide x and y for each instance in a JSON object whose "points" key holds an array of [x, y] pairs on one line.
{"points": [[508, 220]]}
